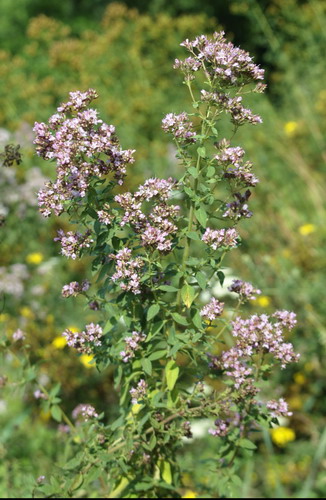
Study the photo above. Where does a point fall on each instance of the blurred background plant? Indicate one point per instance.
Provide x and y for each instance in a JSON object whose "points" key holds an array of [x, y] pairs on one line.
{"points": [[126, 53]]}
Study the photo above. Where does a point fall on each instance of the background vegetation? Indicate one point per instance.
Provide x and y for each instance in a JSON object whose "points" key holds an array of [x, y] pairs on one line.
{"points": [[126, 53]]}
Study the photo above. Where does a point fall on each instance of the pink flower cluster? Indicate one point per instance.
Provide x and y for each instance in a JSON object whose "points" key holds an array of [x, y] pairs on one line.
{"points": [[84, 341], [132, 345], [18, 335], [278, 408], [221, 428], [220, 238], [128, 270], [212, 310], [231, 159], [155, 228], [83, 146], [139, 392], [180, 127], [72, 243], [74, 288], [239, 207], [232, 105], [104, 216], [86, 412], [221, 60], [244, 289]]}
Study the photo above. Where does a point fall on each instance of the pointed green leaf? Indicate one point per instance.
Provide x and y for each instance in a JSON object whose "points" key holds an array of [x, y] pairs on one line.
{"points": [[171, 373], [188, 294], [201, 216], [147, 366], [152, 311], [179, 319], [56, 413], [201, 152], [201, 280], [248, 445]]}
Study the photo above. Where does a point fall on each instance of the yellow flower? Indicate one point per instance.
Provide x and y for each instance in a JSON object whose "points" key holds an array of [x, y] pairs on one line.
{"points": [[73, 328], [281, 436], [49, 319], [307, 229], [45, 416], [299, 378], [4, 317], [295, 402], [85, 359], [59, 342], [263, 301], [290, 128], [286, 253], [26, 312], [189, 494], [34, 258]]}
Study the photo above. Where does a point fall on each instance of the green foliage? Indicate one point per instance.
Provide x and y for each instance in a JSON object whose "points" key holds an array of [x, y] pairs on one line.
{"points": [[282, 251]]}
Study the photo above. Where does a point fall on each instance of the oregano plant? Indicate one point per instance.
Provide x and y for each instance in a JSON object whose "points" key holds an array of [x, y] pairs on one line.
{"points": [[155, 254]]}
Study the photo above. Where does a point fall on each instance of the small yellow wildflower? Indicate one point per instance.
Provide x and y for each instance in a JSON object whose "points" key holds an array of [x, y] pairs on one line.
{"points": [[295, 402], [34, 258], [27, 312], [85, 359], [307, 229], [281, 436], [286, 253], [49, 319], [59, 342], [189, 494], [73, 328], [45, 416], [263, 301], [299, 378], [4, 317], [290, 128]]}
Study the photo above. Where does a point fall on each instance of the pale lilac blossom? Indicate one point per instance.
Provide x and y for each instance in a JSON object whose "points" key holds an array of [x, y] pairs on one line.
{"points": [[74, 288], [139, 393], [246, 290], [84, 341], [85, 412], [72, 243], [132, 345], [212, 310], [220, 237], [278, 408]]}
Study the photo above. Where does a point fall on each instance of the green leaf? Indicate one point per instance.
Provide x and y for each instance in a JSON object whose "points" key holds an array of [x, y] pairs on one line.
{"points": [[193, 172], [201, 152], [193, 235], [166, 473], [221, 277], [78, 481], [56, 413], [201, 280], [179, 319], [171, 373], [248, 445], [152, 442], [210, 171], [147, 366], [152, 311], [197, 320], [158, 355], [168, 288], [187, 294], [175, 348], [201, 216]]}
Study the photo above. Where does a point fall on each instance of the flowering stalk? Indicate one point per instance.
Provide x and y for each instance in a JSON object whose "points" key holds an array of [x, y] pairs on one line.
{"points": [[153, 259]]}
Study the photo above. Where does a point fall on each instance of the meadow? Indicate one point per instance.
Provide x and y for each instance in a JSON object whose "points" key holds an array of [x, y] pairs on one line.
{"points": [[127, 56]]}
